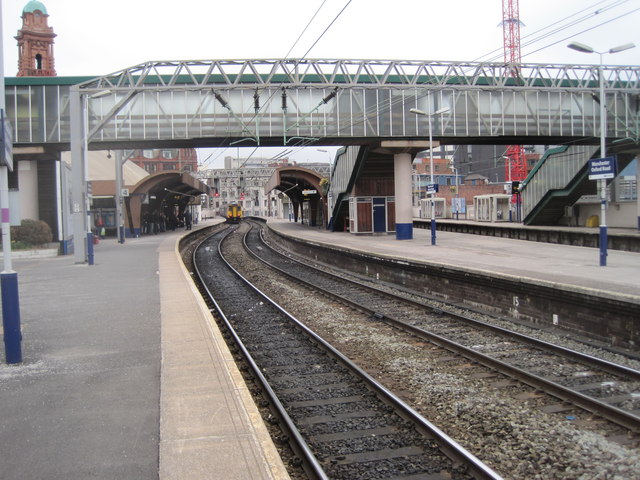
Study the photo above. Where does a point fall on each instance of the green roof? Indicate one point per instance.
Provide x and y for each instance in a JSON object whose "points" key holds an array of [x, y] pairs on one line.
{"points": [[34, 5]]}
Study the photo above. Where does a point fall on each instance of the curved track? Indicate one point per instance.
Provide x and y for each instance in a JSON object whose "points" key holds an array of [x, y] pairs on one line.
{"points": [[341, 422], [609, 390]]}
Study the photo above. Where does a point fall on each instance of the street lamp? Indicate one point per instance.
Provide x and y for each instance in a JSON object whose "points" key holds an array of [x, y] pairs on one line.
{"points": [[508, 163], [433, 205], [323, 150], [455, 172], [581, 47]]}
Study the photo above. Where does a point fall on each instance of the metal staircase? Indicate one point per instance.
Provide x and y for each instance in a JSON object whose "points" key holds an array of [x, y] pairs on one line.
{"points": [[559, 179]]}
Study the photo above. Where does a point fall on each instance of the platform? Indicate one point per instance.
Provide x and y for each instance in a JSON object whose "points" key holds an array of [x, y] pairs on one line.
{"points": [[551, 264], [124, 376]]}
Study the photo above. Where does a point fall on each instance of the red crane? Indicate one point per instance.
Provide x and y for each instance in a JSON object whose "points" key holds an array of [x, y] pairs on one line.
{"points": [[516, 164]]}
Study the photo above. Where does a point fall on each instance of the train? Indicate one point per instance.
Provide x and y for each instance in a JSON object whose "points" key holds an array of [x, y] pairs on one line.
{"points": [[232, 212]]}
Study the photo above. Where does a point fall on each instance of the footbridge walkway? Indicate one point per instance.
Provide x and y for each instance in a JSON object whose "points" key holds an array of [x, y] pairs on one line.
{"points": [[334, 102], [300, 102]]}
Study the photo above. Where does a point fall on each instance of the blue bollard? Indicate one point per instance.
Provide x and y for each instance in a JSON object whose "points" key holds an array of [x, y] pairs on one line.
{"points": [[433, 231], [121, 234], [11, 317], [90, 248], [603, 245]]}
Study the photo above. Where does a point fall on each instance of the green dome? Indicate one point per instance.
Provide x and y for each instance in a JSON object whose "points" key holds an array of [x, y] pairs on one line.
{"points": [[34, 5]]}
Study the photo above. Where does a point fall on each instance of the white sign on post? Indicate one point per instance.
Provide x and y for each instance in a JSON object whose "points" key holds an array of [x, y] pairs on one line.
{"points": [[432, 188], [602, 168]]}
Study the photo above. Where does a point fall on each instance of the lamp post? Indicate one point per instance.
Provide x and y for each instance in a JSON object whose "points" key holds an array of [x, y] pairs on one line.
{"points": [[581, 47], [455, 172], [508, 163], [433, 205]]}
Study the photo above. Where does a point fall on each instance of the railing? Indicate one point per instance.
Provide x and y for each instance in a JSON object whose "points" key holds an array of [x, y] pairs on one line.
{"points": [[555, 171]]}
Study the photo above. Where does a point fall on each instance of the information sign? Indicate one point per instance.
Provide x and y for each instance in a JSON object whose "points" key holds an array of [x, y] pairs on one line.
{"points": [[432, 188], [600, 168], [458, 205]]}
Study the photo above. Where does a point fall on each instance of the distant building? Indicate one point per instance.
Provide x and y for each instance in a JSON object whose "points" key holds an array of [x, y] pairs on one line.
{"points": [[35, 42], [243, 180], [165, 159], [489, 160]]}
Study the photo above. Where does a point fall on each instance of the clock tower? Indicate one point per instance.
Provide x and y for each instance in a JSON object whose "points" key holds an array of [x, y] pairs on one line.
{"points": [[35, 42]]}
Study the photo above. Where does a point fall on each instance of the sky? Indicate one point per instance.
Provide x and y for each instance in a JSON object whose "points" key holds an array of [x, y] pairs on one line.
{"points": [[98, 38]]}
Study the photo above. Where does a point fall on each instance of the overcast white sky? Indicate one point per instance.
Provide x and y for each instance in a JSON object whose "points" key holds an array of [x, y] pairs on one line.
{"points": [[97, 38]]}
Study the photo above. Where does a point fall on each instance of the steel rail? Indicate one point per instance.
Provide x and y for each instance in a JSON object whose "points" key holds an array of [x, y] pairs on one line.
{"points": [[614, 414], [450, 447], [605, 365], [311, 465]]}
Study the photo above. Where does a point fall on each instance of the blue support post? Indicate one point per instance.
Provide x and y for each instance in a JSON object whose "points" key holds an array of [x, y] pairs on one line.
{"points": [[90, 248], [433, 231], [11, 317], [603, 245]]}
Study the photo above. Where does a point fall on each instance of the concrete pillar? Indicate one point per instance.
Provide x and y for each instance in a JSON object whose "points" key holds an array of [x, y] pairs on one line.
{"points": [[402, 185], [28, 188], [79, 176]]}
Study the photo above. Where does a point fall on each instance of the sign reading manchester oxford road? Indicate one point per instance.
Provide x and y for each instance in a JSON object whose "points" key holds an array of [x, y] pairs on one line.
{"points": [[600, 168]]}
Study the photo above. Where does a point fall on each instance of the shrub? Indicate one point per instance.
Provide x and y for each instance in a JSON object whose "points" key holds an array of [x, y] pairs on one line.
{"points": [[33, 233]]}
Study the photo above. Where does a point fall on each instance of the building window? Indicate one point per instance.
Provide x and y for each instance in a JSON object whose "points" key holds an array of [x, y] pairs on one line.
{"points": [[150, 167], [170, 166], [147, 153], [167, 154]]}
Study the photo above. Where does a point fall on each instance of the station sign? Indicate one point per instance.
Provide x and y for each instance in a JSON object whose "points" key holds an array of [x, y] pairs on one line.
{"points": [[309, 192], [432, 188], [601, 168]]}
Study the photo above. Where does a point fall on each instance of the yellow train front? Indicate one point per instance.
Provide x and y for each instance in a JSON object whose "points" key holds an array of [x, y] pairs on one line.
{"points": [[232, 212]]}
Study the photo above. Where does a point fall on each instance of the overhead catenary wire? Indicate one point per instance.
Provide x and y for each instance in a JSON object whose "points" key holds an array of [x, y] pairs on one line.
{"points": [[534, 38], [616, 3], [327, 29], [305, 28], [299, 142]]}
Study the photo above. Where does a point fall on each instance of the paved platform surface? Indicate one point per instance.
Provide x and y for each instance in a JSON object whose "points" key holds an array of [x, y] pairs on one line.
{"points": [[563, 266], [123, 376]]}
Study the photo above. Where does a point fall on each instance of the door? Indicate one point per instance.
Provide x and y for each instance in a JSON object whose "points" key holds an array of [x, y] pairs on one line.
{"points": [[379, 215]]}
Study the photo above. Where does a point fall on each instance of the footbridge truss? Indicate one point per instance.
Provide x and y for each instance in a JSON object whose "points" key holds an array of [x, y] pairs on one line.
{"points": [[322, 102], [340, 102]]}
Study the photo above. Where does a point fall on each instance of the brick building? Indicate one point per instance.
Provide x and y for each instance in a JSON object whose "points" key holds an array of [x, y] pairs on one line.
{"points": [[35, 42], [183, 160]]}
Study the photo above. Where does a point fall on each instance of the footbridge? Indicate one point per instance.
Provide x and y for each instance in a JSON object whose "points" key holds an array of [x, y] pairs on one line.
{"points": [[301, 102], [333, 102]]}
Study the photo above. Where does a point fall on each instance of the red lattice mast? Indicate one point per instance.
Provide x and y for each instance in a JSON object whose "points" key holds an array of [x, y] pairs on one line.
{"points": [[516, 165]]}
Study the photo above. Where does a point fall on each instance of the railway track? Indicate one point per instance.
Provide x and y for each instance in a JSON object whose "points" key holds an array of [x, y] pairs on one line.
{"points": [[341, 422], [601, 387]]}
